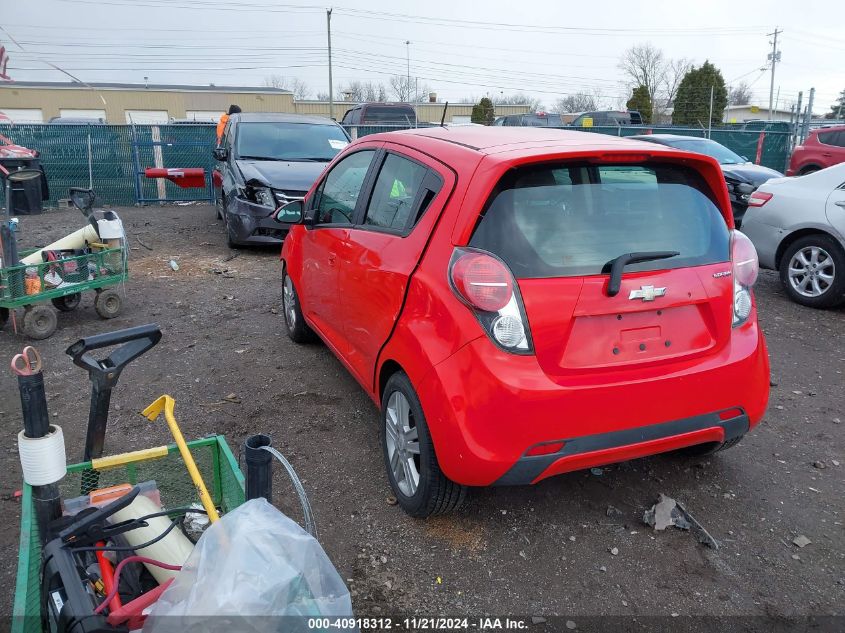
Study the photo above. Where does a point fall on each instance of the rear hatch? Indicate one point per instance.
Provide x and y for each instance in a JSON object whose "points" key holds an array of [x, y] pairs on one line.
{"points": [[559, 227]]}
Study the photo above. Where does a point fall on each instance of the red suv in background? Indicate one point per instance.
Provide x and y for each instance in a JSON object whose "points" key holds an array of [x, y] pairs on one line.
{"points": [[522, 302], [822, 148]]}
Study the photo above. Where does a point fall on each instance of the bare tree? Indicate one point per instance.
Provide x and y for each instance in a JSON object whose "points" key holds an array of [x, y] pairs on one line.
{"points": [[644, 65], [740, 94], [295, 85], [675, 71], [577, 102], [362, 91], [519, 98]]}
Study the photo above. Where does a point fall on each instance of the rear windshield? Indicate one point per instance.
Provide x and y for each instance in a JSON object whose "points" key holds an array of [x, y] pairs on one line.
{"points": [[389, 114], [569, 220]]}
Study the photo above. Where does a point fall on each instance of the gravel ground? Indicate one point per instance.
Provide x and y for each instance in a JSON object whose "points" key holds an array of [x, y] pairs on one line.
{"points": [[551, 549]]}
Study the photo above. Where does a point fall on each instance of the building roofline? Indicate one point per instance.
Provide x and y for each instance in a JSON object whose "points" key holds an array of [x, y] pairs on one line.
{"points": [[73, 85]]}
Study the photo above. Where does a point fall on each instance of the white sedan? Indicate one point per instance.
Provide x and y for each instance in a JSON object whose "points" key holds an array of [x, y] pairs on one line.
{"points": [[798, 227]]}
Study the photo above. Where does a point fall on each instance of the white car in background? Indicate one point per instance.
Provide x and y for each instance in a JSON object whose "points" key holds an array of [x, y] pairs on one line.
{"points": [[798, 227]]}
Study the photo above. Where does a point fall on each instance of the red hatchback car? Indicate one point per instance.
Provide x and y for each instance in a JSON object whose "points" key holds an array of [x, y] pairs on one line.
{"points": [[822, 148], [523, 302]]}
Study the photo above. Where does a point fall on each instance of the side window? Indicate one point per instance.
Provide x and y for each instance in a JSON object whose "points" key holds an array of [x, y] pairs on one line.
{"points": [[396, 190], [839, 141], [341, 188], [827, 138]]}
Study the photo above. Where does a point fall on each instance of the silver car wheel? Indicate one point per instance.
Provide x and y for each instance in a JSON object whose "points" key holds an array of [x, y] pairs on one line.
{"points": [[289, 300], [811, 271], [403, 444]]}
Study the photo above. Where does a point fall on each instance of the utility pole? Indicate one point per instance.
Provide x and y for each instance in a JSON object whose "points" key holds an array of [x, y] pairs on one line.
{"points": [[797, 129], [809, 115], [774, 56], [331, 87], [408, 58]]}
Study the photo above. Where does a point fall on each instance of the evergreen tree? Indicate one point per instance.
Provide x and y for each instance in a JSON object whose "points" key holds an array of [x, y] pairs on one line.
{"points": [[641, 102], [483, 112], [692, 103]]}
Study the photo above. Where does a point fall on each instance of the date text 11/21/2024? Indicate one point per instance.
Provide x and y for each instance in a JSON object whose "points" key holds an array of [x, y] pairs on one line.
{"points": [[421, 623]]}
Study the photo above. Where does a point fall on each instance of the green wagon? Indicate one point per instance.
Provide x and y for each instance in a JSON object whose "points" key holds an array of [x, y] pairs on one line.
{"points": [[62, 282], [216, 464]]}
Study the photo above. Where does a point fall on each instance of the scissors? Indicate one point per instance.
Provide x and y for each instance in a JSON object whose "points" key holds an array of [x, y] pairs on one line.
{"points": [[27, 363]]}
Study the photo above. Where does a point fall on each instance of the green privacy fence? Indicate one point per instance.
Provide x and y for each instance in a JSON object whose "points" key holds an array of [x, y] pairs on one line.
{"points": [[117, 153]]}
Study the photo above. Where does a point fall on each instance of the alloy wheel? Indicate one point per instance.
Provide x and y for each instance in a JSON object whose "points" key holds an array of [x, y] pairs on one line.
{"points": [[811, 271], [289, 300], [403, 444]]}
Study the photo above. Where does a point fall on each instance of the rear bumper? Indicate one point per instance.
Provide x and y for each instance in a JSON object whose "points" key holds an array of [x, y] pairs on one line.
{"points": [[616, 446], [486, 408], [766, 239], [252, 223]]}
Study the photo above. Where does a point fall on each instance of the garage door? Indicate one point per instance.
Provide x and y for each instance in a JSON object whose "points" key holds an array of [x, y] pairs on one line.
{"points": [[23, 115], [146, 116], [211, 116], [82, 114]]}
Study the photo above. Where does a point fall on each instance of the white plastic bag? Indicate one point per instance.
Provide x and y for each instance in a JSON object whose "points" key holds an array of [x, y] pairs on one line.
{"points": [[253, 570]]}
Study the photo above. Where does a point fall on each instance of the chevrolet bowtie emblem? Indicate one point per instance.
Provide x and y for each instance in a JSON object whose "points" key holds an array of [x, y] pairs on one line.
{"points": [[647, 293]]}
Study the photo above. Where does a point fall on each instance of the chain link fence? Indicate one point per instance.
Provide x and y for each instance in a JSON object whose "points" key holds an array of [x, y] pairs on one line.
{"points": [[112, 158]]}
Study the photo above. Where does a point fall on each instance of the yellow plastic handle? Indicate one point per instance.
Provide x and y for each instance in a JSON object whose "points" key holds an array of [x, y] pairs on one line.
{"points": [[102, 463], [166, 403]]}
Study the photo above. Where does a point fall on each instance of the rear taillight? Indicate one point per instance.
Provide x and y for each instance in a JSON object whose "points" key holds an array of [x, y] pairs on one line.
{"points": [[486, 285], [745, 269], [759, 198]]}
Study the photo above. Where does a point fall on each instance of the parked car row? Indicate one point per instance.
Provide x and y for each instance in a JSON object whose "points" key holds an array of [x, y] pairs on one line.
{"points": [[597, 118]]}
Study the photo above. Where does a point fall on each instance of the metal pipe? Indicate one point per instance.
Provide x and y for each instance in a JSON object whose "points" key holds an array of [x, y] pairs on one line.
{"points": [[259, 471]]}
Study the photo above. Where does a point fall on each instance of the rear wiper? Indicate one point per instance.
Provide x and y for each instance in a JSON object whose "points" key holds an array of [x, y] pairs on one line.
{"points": [[618, 265]]}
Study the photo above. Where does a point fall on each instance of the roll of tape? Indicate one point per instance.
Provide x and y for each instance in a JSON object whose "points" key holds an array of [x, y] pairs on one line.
{"points": [[43, 459]]}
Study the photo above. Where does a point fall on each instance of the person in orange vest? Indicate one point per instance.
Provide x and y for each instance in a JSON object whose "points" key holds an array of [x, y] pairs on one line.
{"points": [[221, 125]]}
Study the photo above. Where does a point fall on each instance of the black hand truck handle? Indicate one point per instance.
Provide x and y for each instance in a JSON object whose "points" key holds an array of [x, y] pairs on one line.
{"points": [[105, 373]]}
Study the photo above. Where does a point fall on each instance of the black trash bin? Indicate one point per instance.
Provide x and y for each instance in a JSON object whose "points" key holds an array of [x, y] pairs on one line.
{"points": [[28, 194]]}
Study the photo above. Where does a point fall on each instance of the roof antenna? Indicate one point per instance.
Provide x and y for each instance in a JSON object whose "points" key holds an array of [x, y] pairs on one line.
{"points": [[443, 118]]}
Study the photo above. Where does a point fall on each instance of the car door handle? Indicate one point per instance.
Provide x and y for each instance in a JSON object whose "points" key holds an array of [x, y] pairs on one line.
{"points": [[332, 258], [840, 203]]}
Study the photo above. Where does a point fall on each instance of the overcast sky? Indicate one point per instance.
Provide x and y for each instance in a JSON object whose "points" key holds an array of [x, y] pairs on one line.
{"points": [[458, 49]]}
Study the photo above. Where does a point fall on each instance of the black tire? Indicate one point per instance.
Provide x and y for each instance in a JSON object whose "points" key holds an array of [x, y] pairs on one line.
{"points": [[834, 294], [809, 169], [108, 303], [704, 450], [4, 317], [68, 302], [434, 492], [39, 322], [297, 329]]}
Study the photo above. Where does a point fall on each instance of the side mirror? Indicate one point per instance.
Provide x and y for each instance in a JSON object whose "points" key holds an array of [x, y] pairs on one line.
{"points": [[221, 153], [290, 212]]}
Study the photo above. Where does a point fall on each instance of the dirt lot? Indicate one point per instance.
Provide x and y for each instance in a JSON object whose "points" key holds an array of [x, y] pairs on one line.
{"points": [[542, 550]]}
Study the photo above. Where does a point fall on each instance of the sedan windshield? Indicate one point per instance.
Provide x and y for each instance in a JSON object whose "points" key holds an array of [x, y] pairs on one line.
{"points": [[273, 140], [710, 148]]}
